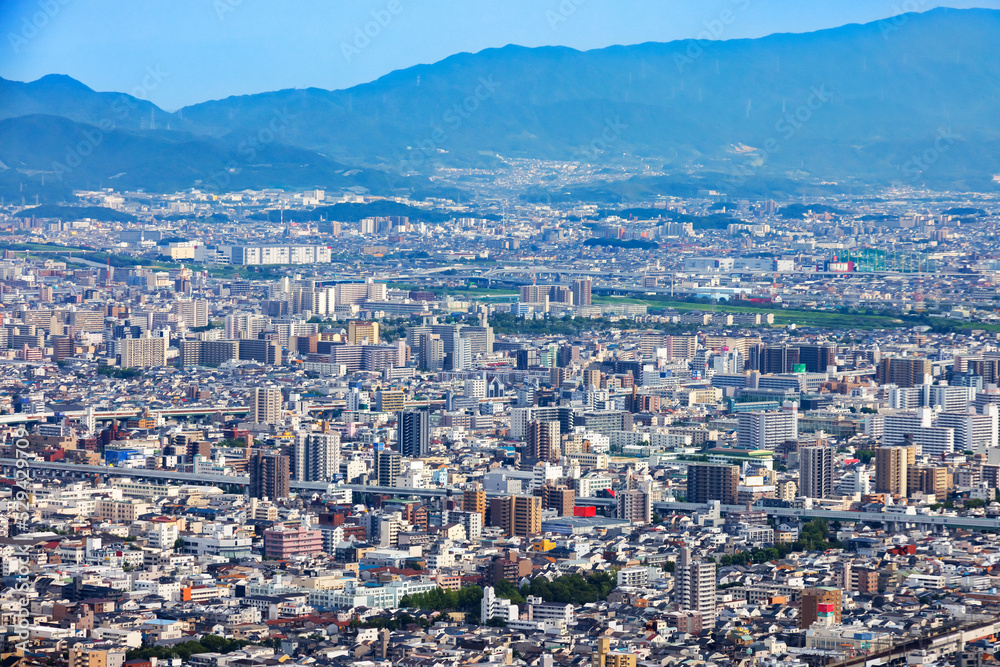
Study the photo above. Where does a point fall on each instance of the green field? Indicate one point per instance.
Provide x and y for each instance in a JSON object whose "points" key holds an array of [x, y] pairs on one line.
{"points": [[465, 291], [782, 316]]}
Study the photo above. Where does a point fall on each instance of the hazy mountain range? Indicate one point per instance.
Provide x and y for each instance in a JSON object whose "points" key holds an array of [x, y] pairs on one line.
{"points": [[909, 100]]}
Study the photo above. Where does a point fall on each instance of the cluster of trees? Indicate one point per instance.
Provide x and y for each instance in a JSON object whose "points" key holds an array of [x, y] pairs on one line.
{"points": [[800, 210], [465, 599], [397, 622], [813, 537], [121, 373], [508, 323], [865, 455], [214, 324], [756, 555], [621, 243], [184, 650], [571, 588], [967, 503], [102, 213]]}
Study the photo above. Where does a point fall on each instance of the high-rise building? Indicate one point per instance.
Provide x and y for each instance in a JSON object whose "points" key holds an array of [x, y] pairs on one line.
{"points": [[265, 405], [460, 358], [261, 350], [269, 475], [581, 292], [568, 355], [988, 369], [432, 352], [388, 466], [605, 657], [817, 358], [543, 441], [348, 294], [83, 656], [707, 482], [819, 604], [142, 352], [816, 471], [558, 497], [315, 457], [634, 506], [778, 359], [62, 347], [973, 432], [903, 371], [936, 437], [192, 312], [359, 331], [393, 400], [927, 479], [695, 585], [413, 433], [891, 470], [517, 515], [474, 500], [766, 430]]}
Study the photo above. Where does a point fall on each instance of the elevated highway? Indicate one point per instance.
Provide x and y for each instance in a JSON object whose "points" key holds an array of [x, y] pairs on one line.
{"points": [[45, 469]]}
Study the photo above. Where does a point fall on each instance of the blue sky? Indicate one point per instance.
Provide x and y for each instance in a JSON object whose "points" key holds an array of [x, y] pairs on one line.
{"points": [[179, 52]]}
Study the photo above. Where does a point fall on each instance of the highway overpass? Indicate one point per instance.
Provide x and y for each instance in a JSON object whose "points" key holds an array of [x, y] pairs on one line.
{"points": [[44, 469]]}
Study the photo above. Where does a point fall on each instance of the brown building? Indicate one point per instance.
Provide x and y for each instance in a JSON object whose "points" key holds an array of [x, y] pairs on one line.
{"points": [[93, 657], [517, 515], [474, 500], [890, 470], [707, 482], [903, 371], [304, 344], [543, 440], [359, 331], [864, 581], [508, 568], [62, 347], [927, 480], [558, 497], [269, 476], [988, 369], [816, 603]]}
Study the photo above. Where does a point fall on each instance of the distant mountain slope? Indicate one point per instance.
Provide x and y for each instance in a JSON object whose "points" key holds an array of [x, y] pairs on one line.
{"points": [[913, 100], [860, 100], [83, 156], [60, 95]]}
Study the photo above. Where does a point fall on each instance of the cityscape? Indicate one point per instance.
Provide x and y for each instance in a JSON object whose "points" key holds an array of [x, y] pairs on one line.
{"points": [[520, 389]]}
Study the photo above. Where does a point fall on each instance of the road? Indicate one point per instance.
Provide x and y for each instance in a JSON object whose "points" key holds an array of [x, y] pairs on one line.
{"points": [[933, 521]]}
